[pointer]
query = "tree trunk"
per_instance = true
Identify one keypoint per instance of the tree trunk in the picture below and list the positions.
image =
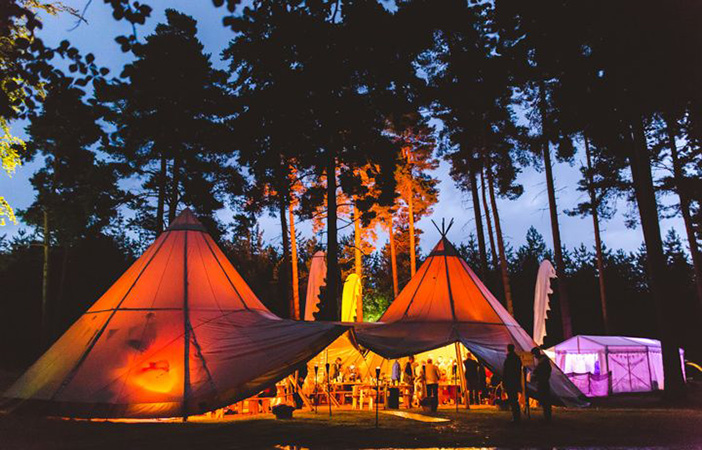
(667, 306)
(45, 323)
(410, 211)
(478, 223)
(161, 206)
(557, 246)
(555, 229)
(175, 182)
(358, 263)
(393, 257)
(488, 220)
(678, 177)
(332, 306)
(62, 288)
(250, 238)
(500, 245)
(598, 237)
(412, 245)
(293, 258)
(284, 274)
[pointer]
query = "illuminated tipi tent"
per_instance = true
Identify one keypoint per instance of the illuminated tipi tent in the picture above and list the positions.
(180, 333)
(445, 303)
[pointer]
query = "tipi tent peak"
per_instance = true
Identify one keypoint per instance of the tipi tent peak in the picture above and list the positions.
(179, 333)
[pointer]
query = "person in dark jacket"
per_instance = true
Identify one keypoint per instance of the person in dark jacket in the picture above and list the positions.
(408, 371)
(512, 381)
(408, 379)
(470, 368)
(337, 369)
(542, 376)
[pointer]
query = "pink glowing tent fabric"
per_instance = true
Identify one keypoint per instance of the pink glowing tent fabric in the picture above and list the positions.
(445, 302)
(180, 333)
(604, 365)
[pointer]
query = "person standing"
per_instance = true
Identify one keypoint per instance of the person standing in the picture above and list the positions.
(470, 367)
(512, 381)
(542, 376)
(395, 375)
(408, 379)
(433, 376)
(420, 382)
(336, 370)
(408, 371)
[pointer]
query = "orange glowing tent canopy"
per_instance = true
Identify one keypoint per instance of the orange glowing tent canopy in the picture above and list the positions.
(445, 303)
(180, 333)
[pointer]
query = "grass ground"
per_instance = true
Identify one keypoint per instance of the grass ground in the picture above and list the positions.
(620, 421)
(353, 429)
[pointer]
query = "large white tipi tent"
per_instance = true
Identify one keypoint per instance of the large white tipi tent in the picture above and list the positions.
(180, 333)
(445, 303)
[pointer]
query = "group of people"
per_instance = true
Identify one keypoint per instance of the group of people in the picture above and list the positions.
(426, 376)
(513, 377)
(421, 379)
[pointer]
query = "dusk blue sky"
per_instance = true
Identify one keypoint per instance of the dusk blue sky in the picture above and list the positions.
(531, 209)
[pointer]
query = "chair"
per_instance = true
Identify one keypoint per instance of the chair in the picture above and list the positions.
(406, 395)
(365, 393)
(237, 407)
(252, 406)
(356, 395)
(372, 395)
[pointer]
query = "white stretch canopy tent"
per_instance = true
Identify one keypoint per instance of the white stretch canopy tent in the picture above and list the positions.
(604, 365)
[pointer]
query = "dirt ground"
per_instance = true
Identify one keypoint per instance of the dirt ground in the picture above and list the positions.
(633, 421)
(593, 427)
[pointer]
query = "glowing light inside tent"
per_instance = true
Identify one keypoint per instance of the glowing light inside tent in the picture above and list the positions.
(156, 376)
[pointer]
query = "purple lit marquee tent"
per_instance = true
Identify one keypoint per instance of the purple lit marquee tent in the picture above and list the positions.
(605, 365)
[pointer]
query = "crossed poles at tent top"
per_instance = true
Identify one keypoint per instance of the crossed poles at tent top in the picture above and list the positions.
(444, 229)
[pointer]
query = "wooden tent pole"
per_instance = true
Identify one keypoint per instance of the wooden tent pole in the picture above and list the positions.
(461, 375)
(186, 331)
(295, 312)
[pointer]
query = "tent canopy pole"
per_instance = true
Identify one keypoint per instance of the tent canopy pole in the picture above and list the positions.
(461, 375)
